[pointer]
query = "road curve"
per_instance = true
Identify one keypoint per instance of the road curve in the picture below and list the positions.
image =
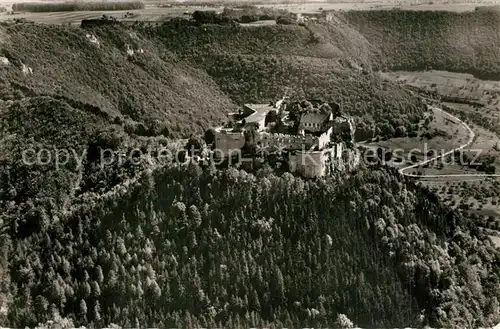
(469, 142)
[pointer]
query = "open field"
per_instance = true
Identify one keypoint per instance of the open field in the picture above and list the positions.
(484, 148)
(479, 197)
(475, 195)
(445, 136)
(485, 143)
(149, 13)
(475, 101)
(460, 85)
(155, 10)
(316, 7)
(480, 118)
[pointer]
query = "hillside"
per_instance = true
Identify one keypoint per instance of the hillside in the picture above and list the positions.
(120, 83)
(151, 86)
(185, 246)
(203, 248)
(176, 80)
(328, 61)
(57, 126)
(419, 40)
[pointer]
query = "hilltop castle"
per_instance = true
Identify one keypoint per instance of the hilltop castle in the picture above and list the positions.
(310, 135)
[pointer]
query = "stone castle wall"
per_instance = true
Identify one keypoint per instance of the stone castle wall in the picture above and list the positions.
(287, 141)
(324, 139)
(294, 142)
(316, 163)
(308, 164)
(227, 141)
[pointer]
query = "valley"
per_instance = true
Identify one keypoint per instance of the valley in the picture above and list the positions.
(139, 226)
(463, 182)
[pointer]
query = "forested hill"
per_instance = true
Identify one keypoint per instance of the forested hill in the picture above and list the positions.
(330, 61)
(187, 247)
(116, 73)
(119, 87)
(177, 80)
(418, 40)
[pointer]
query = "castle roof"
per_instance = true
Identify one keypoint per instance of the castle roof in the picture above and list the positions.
(260, 112)
(315, 121)
(315, 117)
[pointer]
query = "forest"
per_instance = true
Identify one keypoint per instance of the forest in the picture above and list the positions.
(187, 78)
(187, 246)
(191, 246)
(416, 40)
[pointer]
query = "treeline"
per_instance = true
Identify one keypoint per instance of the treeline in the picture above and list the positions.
(232, 16)
(249, 14)
(38, 7)
(488, 8)
(189, 247)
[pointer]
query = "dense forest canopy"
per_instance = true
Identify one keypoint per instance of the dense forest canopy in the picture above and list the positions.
(191, 246)
(440, 40)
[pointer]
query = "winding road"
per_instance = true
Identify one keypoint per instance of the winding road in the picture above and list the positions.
(468, 144)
